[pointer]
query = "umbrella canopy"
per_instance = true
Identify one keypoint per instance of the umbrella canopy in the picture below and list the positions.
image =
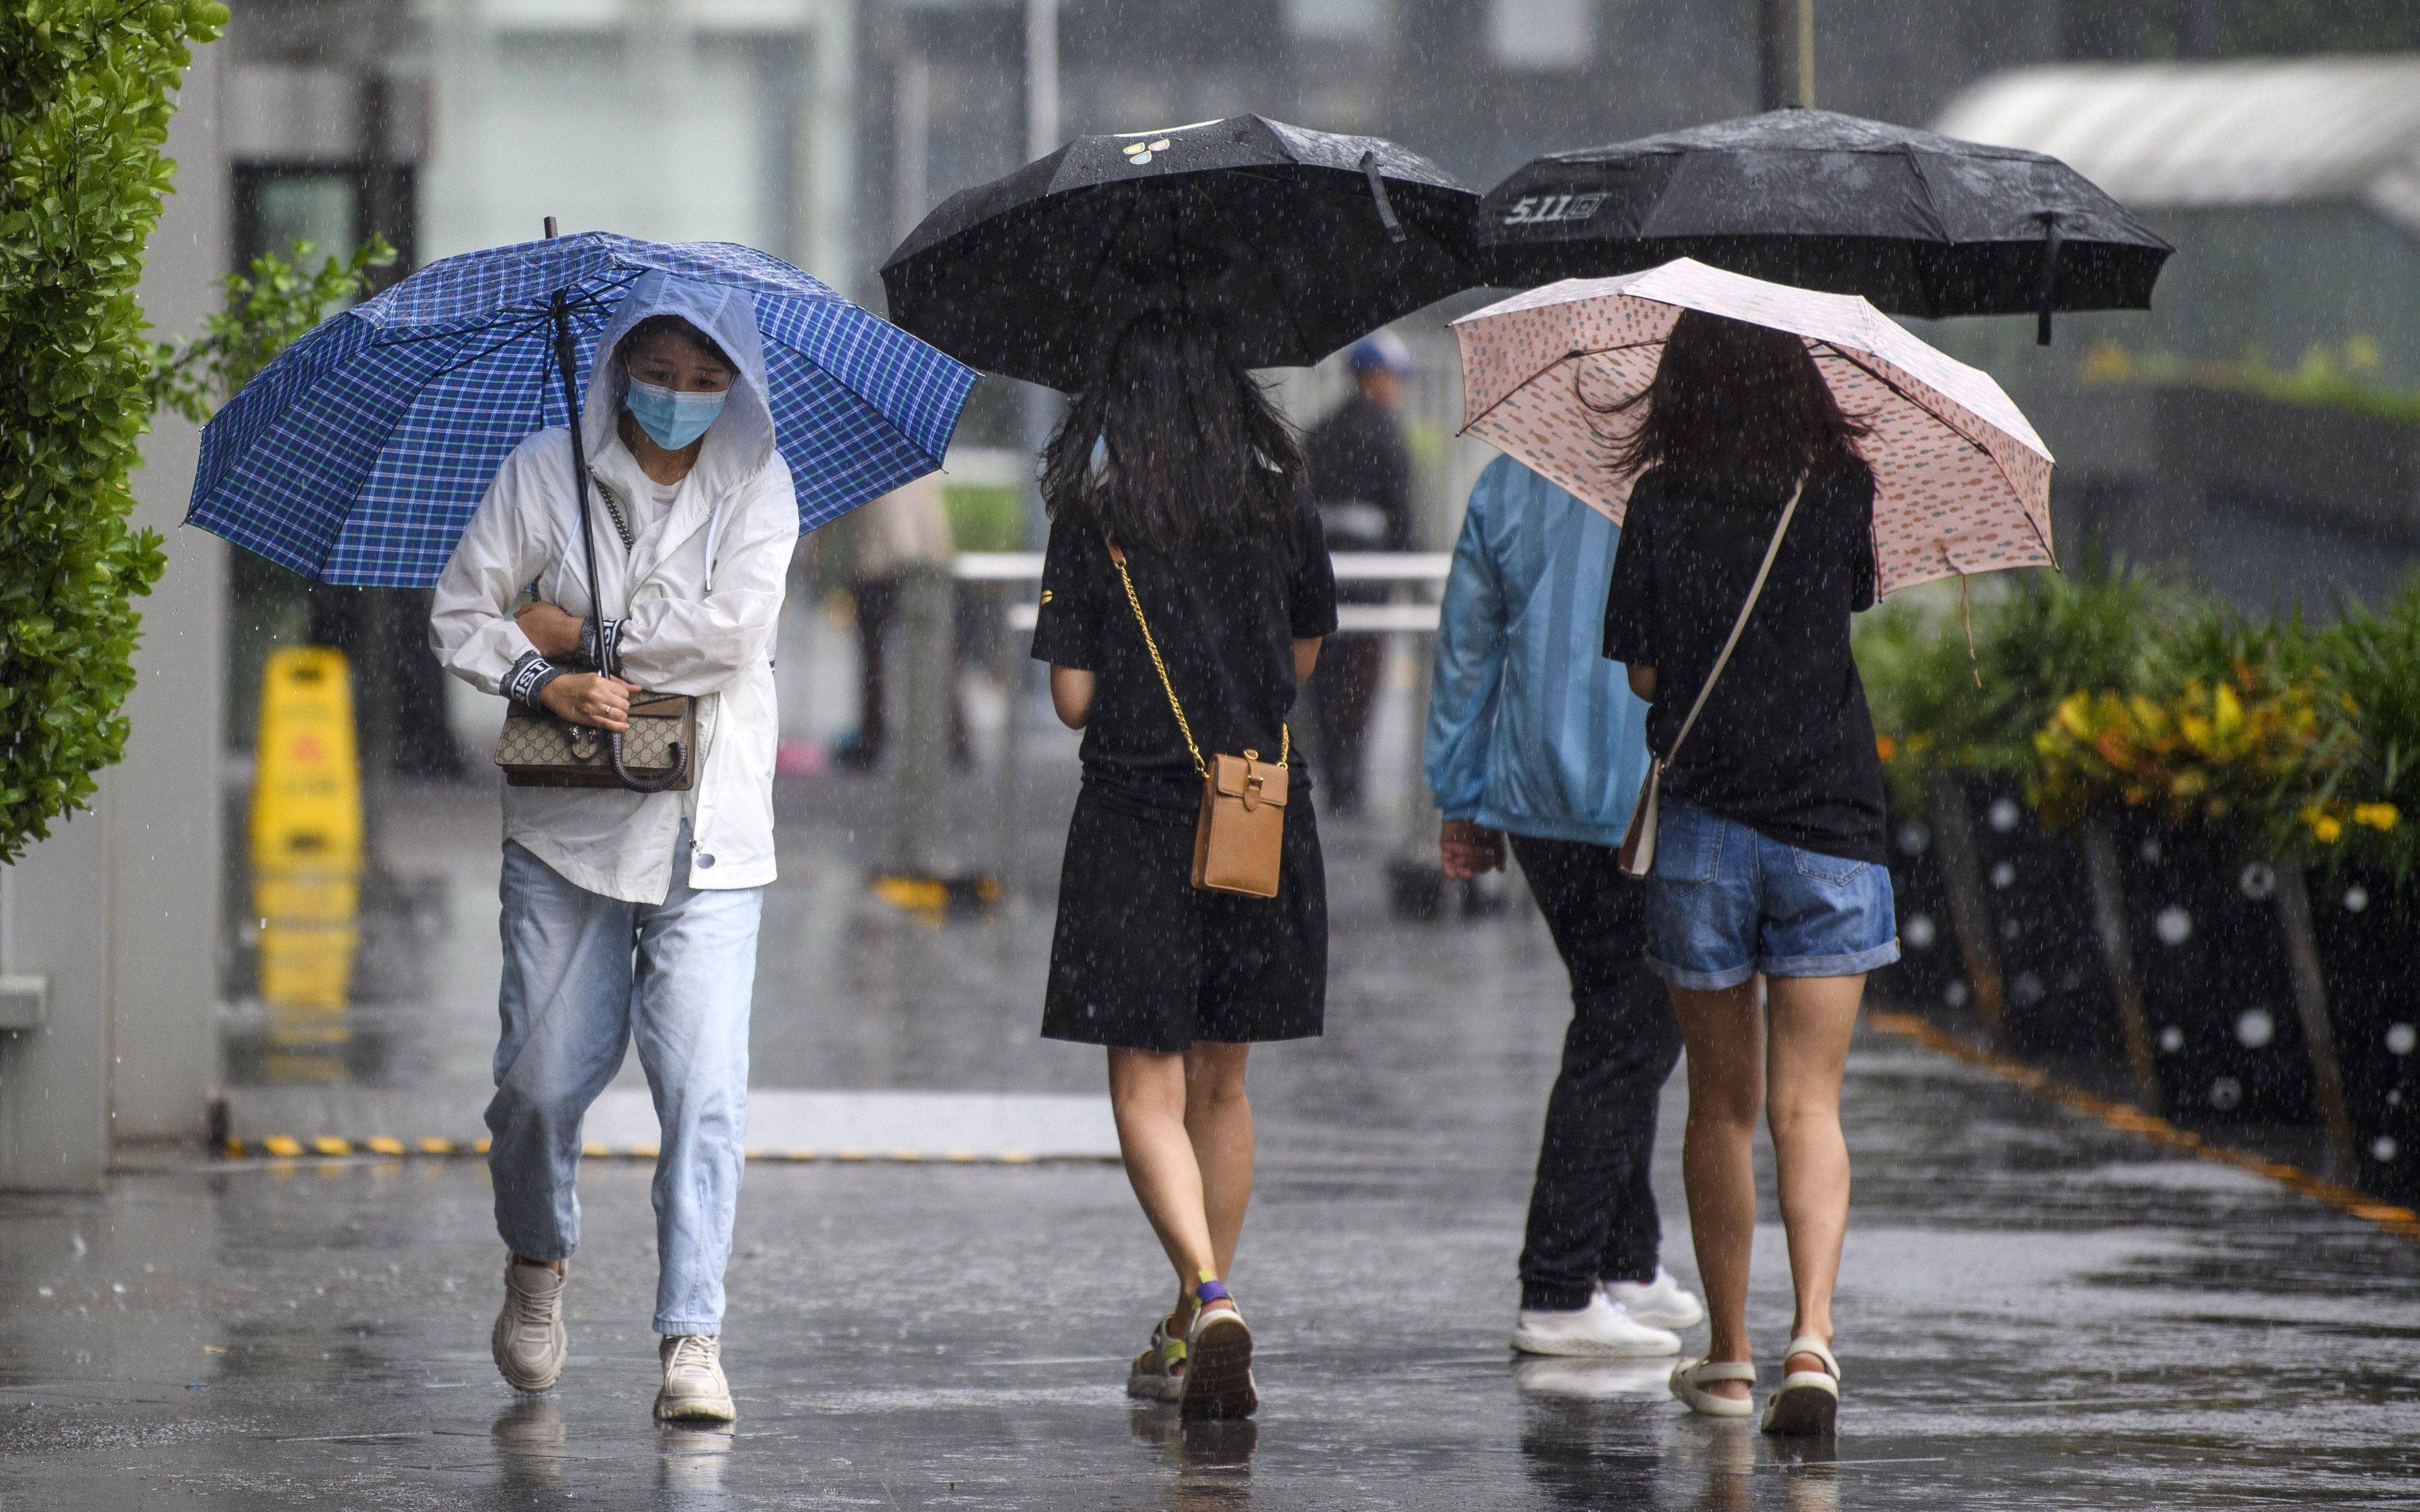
(1293, 242)
(1920, 225)
(359, 454)
(1962, 484)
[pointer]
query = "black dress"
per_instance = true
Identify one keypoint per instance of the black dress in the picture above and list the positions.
(1142, 958)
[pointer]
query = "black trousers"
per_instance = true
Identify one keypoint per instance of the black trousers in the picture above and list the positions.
(1593, 1211)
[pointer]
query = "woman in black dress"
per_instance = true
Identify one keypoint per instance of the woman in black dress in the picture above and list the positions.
(1174, 453)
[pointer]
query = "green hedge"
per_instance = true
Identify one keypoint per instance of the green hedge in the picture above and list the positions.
(84, 89)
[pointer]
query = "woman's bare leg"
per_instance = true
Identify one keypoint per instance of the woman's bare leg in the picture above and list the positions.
(1723, 1033)
(1148, 1098)
(1219, 1121)
(1808, 1044)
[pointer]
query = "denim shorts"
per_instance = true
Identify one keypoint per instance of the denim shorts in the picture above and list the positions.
(1727, 902)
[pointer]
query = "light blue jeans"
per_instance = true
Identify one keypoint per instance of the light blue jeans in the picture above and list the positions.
(583, 976)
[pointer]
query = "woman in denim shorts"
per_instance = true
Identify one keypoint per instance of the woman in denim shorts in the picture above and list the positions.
(1769, 864)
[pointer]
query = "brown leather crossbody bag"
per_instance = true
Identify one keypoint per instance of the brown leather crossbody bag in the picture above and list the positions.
(1239, 840)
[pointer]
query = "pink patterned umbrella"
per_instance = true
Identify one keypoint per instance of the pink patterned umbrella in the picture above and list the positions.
(1961, 482)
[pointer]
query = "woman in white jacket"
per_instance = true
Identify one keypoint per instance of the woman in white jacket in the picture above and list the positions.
(632, 914)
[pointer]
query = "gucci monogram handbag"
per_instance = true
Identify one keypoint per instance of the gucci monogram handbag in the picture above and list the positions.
(1239, 839)
(538, 749)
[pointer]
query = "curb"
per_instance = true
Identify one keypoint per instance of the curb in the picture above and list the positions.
(287, 1147)
(2128, 1120)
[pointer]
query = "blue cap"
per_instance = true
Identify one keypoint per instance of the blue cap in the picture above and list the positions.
(1380, 351)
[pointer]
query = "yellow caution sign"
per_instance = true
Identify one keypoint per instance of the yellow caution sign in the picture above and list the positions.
(306, 832)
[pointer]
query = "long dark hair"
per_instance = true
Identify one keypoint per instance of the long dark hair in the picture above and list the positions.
(1197, 458)
(1735, 410)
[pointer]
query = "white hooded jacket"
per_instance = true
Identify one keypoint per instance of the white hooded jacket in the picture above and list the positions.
(697, 598)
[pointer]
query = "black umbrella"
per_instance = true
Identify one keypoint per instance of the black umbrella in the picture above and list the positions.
(1919, 224)
(1293, 242)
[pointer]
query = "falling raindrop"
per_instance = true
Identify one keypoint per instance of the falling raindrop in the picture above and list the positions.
(2003, 873)
(2151, 851)
(2401, 1038)
(2356, 898)
(2258, 881)
(1914, 839)
(2383, 1148)
(2256, 1028)
(2026, 989)
(2010, 929)
(2005, 815)
(2175, 926)
(2172, 1039)
(2225, 1094)
(1954, 994)
(1918, 932)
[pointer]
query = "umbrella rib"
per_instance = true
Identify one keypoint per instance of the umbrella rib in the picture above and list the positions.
(1851, 358)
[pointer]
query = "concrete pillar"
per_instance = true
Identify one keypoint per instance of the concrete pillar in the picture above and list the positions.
(165, 844)
(827, 203)
(119, 909)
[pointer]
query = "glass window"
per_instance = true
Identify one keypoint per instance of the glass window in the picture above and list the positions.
(1558, 35)
(1351, 21)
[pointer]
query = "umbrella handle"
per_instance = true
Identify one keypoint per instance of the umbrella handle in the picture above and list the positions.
(1395, 232)
(2049, 277)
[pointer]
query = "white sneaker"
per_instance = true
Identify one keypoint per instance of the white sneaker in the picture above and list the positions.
(694, 1387)
(1662, 1302)
(1601, 1329)
(530, 1342)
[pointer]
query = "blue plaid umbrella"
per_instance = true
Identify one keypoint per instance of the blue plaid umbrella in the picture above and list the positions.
(359, 454)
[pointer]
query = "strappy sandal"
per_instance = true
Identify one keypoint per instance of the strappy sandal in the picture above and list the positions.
(1218, 1359)
(1690, 1377)
(1159, 1373)
(1810, 1401)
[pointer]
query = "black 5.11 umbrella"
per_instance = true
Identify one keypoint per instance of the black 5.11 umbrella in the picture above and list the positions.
(1292, 242)
(1917, 224)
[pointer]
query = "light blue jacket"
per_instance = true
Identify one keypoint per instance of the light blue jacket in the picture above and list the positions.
(1532, 730)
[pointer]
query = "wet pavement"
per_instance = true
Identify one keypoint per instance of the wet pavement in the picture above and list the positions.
(2035, 1310)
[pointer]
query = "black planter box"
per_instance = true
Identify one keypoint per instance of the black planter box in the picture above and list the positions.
(2055, 982)
(2368, 930)
(2217, 991)
(1929, 973)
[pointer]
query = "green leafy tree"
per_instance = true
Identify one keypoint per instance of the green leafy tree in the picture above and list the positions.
(85, 88)
(267, 307)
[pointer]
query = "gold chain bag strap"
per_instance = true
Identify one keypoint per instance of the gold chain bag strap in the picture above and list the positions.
(1637, 855)
(1239, 839)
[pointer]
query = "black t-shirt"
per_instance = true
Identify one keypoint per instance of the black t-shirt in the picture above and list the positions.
(1785, 744)
(1226, 623)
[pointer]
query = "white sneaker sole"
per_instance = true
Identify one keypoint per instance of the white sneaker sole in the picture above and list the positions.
(1568, 1348)
(670, 1408)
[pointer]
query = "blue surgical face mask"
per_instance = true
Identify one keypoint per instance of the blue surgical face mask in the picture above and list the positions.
(672, 420)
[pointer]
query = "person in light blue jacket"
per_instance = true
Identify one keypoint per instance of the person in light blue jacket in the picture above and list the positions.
(1533, 735)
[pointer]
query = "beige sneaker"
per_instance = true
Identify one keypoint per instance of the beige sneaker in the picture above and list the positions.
(694, 1388)
(530, 1342)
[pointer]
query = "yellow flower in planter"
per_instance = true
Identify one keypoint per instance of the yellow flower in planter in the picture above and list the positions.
(2380, 816)
(2327, 831)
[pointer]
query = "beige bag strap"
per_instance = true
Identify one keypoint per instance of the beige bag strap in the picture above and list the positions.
(1756, 590)
(1184, 728)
